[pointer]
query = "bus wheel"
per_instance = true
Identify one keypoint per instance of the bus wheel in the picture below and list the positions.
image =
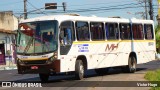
(44, 77)
(101, 71)
(79, 70)
(132, 63)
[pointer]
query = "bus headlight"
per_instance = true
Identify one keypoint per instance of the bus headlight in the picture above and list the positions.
(55, 55)
(20, 61)
(50, 60)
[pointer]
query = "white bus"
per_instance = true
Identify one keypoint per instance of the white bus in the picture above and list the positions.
(73, 43)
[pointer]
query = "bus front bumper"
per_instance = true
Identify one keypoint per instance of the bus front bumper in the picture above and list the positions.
(38, 68)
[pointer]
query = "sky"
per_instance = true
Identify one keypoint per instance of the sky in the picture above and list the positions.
(100, 8)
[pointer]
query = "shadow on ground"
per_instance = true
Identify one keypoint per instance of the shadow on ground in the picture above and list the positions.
(88, 74)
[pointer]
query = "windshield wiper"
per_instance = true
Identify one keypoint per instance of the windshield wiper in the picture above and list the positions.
(28, 45)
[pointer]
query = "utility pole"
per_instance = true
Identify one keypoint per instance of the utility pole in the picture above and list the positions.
(146, 11)
(151, 9)
(144, 3)
(25, 9)
(64, 6)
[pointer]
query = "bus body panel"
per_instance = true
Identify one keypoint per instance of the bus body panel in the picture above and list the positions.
(101, 56)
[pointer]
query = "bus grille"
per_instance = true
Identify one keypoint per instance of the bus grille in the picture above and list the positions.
(35, 62)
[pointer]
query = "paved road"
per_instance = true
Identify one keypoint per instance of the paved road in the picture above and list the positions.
(67, 82)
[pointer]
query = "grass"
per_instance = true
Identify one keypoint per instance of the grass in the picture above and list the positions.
(153, 76)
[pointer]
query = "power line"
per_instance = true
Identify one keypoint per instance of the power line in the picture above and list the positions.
(100, 8)
(36, 8)
(88, 10)
(107, 8)
(104, 9)
(117, 7)
(33, 10)
(78, 5)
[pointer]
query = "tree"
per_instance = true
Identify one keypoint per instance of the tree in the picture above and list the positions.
(157, 32)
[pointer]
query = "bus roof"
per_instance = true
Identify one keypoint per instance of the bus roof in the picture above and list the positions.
(73, 17)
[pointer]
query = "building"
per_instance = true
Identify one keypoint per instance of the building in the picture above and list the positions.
(8, 25)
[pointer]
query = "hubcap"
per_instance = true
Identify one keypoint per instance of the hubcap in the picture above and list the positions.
(81, 69)
(133, 65)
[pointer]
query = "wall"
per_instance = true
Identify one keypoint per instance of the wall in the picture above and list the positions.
(8, 23)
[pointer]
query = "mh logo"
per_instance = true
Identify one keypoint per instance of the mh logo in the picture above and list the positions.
(111, 47)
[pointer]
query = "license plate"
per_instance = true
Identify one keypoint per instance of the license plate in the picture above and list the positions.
(34, 67)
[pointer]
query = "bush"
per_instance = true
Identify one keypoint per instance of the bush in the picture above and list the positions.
(153, 76)
(157, 32)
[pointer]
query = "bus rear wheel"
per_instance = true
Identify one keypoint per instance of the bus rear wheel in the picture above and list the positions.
(44, 77)
(131, 67)
(79, 70)
(132, 63)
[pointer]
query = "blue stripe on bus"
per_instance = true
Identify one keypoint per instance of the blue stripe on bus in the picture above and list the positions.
(85, 45)
(83, 50)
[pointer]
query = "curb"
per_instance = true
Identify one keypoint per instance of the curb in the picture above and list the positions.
(8, 68)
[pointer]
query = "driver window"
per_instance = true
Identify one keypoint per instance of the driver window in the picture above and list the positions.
(66, 36)
(66, 33)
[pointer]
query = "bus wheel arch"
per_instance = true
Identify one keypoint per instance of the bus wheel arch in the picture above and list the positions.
(84, 60)
(80, 67)
(134, 55)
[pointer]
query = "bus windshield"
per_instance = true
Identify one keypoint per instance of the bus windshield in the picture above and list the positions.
(37, 37)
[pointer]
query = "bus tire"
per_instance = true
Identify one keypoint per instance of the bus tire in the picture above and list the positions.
(44, 77)
(132, 63)
(101, 71)
(79, 70)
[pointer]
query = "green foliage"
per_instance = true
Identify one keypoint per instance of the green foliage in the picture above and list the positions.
(153, 76)
(157, 32)
(157, 28)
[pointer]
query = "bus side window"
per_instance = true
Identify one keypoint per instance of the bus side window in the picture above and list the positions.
(66, 33)
(97, 31)
(82, 31)
(148, 31)
(137, 30)
(112, 32)
(125, 31)
(66, 36)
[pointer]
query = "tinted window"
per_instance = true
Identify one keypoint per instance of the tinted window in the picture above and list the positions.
(82, 31)
(97, 31)
(125, 32)
(37, 37)
(67, 33)
(137, 30)
(148, 30)
(112, 32)
(66, 36)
